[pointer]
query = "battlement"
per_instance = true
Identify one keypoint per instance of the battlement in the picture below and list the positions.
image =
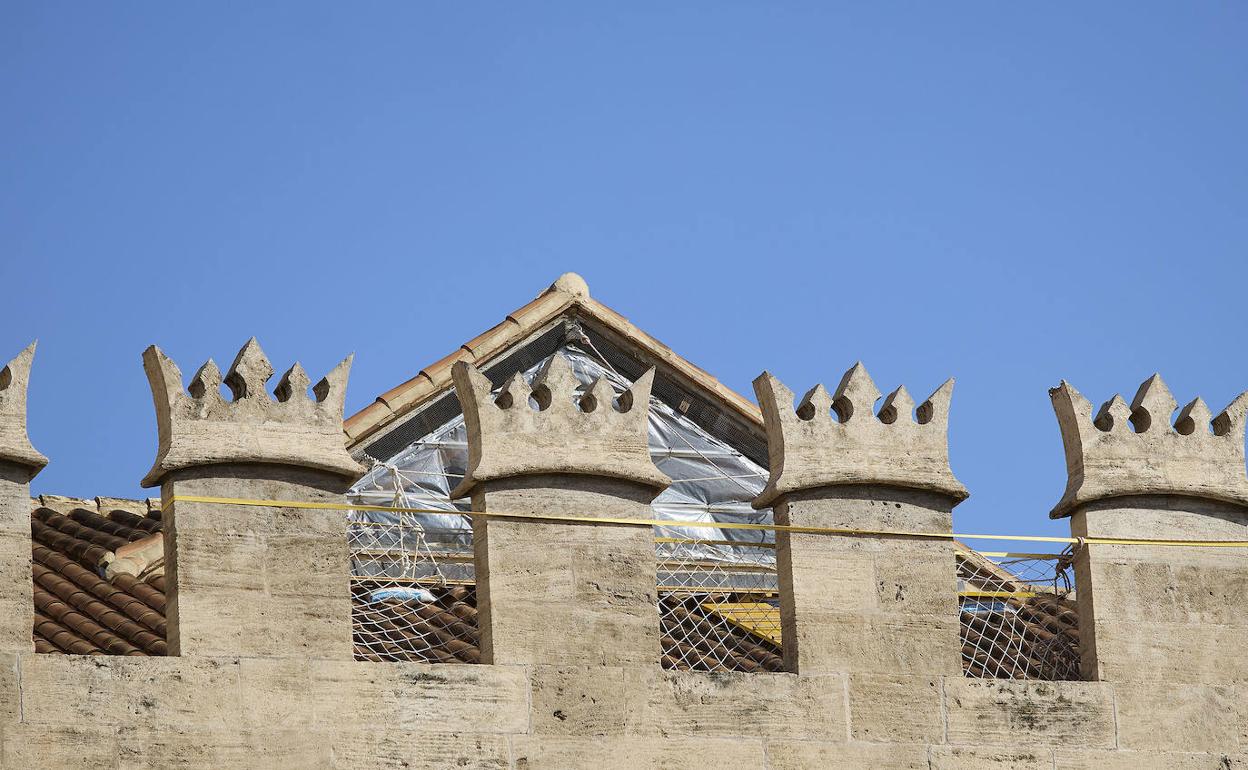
(197, 426)
(899, 446)
(573, 429)
(15, 444)
(1136, 450)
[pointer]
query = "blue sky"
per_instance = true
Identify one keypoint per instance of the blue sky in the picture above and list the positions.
(1005, 193)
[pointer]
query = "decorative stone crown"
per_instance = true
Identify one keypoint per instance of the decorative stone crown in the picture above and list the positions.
(199, 427)
(14, 442)
(1134, 450)
(574, 430)
(807, 448)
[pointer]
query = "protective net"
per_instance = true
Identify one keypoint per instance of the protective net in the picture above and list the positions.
(412, 588)
(1018, 617)
(719, 604)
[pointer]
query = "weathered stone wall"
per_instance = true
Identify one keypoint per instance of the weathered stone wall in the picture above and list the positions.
(262, 679)
(69, 711)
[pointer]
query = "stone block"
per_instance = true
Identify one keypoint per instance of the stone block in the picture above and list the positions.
(635, 753)
(983, 712)
(976, 758)
(895, 708)
(803, 755)
(162, 693)
(1161, 716)
(368, 747)
(10, 688)
(735, 704)
(80, 747)
(589, 700)
(1169, 652)
(202, 746)
(1076, 759)
(883, 643)
(411, 697)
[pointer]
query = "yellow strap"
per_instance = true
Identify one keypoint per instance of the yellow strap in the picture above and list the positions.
(710, 524)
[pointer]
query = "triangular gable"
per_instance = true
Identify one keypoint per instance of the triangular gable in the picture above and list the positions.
(562, 312)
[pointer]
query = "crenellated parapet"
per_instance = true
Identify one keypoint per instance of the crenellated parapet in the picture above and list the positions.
(899, 446)
(574, 429)
(15, 444)
(198, 426)
(1134, 449)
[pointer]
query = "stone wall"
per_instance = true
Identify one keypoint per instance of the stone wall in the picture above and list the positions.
(1169, 691)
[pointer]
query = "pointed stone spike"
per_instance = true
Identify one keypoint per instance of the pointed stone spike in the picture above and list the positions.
(935, 408)
(856, 395)
(164, 376)
(1114, 416)
(600, 395)
(18, 370)
(1194, 419)
(556, 380)
(294, 383)
(638, 393)
(515, 391)
(206, 382)
(775, 400)
(898, 406)
(249, 372)
(473, 386)
(1230, 421)
(332, 389)
(817, 402)
(1153, 406)
(14, 442)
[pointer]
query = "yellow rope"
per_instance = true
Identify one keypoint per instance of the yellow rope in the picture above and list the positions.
(344, 506)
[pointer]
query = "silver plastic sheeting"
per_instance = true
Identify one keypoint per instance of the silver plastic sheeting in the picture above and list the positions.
(711, 482)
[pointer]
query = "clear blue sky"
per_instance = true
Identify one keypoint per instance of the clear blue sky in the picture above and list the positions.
(1007, 193)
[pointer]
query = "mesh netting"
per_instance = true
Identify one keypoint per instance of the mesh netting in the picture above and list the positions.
(1018, 616)
(414, 599)
(718, 604)
(412, 589)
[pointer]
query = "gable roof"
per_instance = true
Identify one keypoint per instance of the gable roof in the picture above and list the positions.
(680, 383)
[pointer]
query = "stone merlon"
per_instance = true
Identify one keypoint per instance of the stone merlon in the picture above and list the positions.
(1135, 450)
(898, 447)
(15, 444)
(197, 426)
(575, 429)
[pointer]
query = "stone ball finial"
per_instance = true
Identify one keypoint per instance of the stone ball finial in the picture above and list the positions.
(571, 283)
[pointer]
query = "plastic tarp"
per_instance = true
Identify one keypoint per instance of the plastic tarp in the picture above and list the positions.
(711, 482)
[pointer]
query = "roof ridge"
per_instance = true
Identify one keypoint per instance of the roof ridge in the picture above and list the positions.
(568, 291)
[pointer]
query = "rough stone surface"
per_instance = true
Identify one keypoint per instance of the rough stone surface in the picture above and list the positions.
(15, 445)
(1165, 613)
(535, 577)
(16, 592)
(574, 430)
(867, 604)
(1134, 450)
(990, 712)
(197, 426)
(808, 448)
(894, 708)
(257, 580)
(803, 755)
(972, 758)
(1164, 716)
